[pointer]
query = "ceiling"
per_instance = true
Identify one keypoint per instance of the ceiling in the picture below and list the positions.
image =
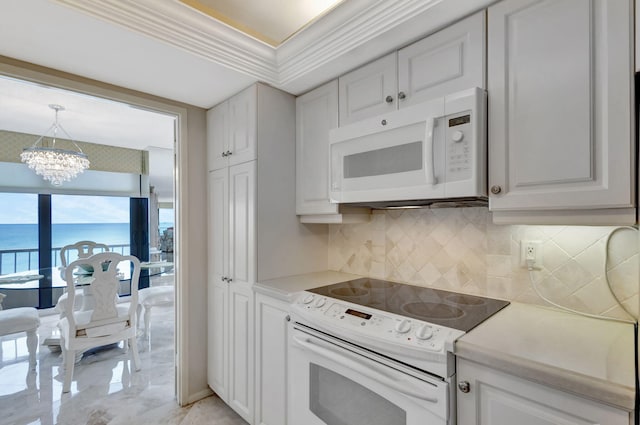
(272, 21)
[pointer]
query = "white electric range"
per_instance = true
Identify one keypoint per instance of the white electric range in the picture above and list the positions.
(369, 351)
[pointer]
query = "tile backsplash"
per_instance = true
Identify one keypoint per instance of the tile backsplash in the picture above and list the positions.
(461, 249)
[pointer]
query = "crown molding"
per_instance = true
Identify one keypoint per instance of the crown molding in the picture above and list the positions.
(354, 31)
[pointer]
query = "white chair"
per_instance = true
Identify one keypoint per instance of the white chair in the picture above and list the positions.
(22, 319)
(108, 322)
(153, 296)
(81, 249)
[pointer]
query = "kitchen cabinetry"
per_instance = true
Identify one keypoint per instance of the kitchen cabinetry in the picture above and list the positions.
(272, 317)
(316, 115)
(490, 397)
(560, 111)
(232, 136)
(442, 63)
(237, 258)
(232, 273)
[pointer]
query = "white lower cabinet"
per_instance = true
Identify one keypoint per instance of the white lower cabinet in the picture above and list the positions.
(241, 350)
(490, 397)
(272, 316)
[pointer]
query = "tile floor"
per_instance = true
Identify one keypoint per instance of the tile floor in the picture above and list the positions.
(105, 390)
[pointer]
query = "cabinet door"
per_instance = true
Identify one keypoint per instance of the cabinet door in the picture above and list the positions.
(368, 91)
(496, 398)
(242, 223)
(271, 360)
(217, 302)
(446, 62)
(316, 114)
(218, 339)
(241, 355)
(217, 123)
(242, 126)
(560, 101)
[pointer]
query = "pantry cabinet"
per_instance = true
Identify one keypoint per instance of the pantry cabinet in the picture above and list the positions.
(560, 111)
(232, 273)
(247, 199)
(442, 63)
(232, 136)
(272, 318)
(490, 397)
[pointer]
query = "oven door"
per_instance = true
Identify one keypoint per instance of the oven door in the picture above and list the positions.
(332, 382)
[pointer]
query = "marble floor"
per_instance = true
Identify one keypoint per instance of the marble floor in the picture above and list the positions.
(105, 389)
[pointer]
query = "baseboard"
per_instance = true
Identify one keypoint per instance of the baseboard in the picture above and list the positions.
(199, 395)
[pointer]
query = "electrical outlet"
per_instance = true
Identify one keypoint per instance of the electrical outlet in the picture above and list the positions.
(531, 253)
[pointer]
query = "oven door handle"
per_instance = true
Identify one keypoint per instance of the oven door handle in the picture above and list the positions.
(371, 370)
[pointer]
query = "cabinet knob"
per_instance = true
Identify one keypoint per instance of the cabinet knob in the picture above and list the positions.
(383, 122)
(464, 386)
(287, 318)
(496, 189)
(224, 154)
(401, 95)
(388, 99)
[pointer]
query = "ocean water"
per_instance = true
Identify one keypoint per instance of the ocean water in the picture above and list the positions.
(25, 236)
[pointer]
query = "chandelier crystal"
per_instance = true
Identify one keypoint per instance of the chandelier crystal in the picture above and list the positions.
(55, 165)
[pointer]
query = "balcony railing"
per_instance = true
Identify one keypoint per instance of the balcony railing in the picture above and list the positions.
(19, 260)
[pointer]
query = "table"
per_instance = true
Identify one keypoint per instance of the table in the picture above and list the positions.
(48, 279)
(32, 280)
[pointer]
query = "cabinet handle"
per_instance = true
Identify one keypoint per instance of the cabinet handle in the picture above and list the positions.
(224, 279)
(224, 154)
(496, 189)
(229, 153)
(229, 280)
(401, 95)
(464, 386)
(388, 99)
(287, 318)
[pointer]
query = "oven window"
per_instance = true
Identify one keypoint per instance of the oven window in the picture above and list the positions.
(337, 400)
(380, 162)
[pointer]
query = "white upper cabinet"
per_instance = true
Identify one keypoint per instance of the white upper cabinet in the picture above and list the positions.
(232, 131)
(560, 83)
(370, 90)
(446, 62)
(442, 63)
(316, 114)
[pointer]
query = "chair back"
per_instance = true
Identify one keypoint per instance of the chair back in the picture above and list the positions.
(100, 272)
(84, 249)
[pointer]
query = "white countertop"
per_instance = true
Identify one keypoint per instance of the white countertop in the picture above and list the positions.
(283, 287)
(588, 357)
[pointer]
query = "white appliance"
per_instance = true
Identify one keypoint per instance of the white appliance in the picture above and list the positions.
(425, 153)
(362, 353)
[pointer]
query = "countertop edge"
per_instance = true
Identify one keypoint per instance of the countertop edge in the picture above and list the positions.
(602, 391)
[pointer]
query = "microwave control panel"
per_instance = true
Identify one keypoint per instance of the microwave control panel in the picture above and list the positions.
(459, 137)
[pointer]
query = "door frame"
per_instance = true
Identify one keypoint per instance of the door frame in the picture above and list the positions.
(49, 77)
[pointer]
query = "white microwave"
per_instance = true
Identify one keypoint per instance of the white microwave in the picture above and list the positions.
(434, 151)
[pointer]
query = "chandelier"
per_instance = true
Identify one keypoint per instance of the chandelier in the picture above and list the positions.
(55, 165)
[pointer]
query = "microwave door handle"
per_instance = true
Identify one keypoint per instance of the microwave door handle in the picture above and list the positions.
(380, 376)
(431, 130)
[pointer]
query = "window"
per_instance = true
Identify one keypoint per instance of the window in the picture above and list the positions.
(18, 232)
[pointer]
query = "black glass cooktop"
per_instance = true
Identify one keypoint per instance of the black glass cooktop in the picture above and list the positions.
(458, 311)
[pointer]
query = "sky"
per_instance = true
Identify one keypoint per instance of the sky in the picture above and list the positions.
(22, 208)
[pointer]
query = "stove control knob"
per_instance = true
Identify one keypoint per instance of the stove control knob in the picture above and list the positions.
(307, 299)
(403, 326)
(424, 332)
(319, 302)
